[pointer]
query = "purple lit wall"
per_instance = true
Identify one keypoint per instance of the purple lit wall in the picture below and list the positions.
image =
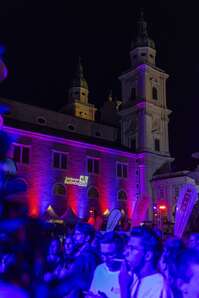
(41, 176)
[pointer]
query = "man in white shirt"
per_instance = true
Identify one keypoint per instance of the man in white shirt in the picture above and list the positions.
(138, 276)
(105, 281)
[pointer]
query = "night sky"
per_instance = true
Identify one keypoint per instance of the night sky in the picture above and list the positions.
(43, 40)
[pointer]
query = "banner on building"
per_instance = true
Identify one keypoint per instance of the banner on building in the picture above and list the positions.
(185, 203)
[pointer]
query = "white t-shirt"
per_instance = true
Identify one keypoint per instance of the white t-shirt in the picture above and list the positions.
(105, 281)
(151, 286)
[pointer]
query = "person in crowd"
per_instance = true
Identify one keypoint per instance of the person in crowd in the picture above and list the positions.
(172, 247)
(193, 241)
(53, 259)
(187, 273)
(69, 247)
(105, 280)
(68, 257)
(78, 277)
(138, 275)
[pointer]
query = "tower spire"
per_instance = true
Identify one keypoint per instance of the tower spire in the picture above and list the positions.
(79, 70)
(142, 26)
(78, 104)
(142, 38)
(79, 80)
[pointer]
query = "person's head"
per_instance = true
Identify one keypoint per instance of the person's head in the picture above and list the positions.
(193, 241)
(111, 248)
(54, 247)
(187, 273)
(84, 233)
(172, 247)
(143, 248)
(68, 245)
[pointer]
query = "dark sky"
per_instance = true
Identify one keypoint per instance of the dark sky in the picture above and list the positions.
(43, 40)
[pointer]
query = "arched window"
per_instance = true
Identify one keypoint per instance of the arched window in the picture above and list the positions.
(59, 189)
(93, 200)
(93, 193)
(122, 196)
(154, 93)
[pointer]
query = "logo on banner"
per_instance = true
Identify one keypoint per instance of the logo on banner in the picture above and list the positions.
(81, 181)
(185, 203)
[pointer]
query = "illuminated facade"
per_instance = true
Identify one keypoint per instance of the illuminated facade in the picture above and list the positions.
(119, 154)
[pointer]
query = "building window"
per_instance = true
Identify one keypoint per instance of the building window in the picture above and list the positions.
(122, 170)
(98, 134)
(21, 153)
(157, 145)
(93, 193)
(133, 93)
(93, 201)
(93, 165)
(41, 120)
(133, 144)
(143, 54)
(59, 160)
(71, 127)
(59, 189)
(122, 196)
(154, 93)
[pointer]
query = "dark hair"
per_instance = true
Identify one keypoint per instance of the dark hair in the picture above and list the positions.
(185, 259)
(113, 237)
(173, 246)
(86, 229)
(150, 241)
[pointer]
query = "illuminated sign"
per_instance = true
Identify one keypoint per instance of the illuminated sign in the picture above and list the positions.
(82, 181)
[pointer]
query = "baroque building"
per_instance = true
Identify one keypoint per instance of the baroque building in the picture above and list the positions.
(70, 160)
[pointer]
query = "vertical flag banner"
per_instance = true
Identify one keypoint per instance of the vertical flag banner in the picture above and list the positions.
(185, 203)
(113, 219)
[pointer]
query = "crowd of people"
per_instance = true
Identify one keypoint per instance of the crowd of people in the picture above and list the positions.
(36, 262)
(86, 263)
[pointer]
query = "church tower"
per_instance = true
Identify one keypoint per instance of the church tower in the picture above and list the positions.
(144, 113)
(78, 104)
(144, 116)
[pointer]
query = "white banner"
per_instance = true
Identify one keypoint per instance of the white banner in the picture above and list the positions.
(113, 219)
(185, 203)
